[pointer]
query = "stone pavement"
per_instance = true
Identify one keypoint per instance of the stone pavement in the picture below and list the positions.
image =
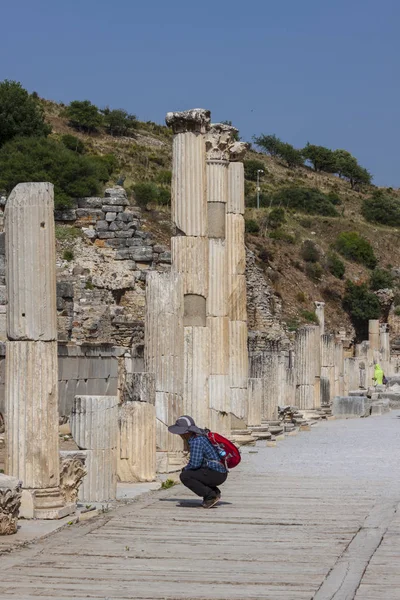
(314, 517)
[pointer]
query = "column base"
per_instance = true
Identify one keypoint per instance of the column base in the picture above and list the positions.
(44, 503)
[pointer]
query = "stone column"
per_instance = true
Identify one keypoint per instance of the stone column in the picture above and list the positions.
(320, 314)
(218, 141)
(384, 338)
(339, 365)
(327, 368)
(373, 334)
(94, 427)
(136, 456)
(163, 354)
(190, 254)
(266, 366)
(308, 366)
(31, 387)
(237, 299)
(351, 375)
(255, 392)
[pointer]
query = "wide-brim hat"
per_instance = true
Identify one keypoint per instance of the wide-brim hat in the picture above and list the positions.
(184, 425)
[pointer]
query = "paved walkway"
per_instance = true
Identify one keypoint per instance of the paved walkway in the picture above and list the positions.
(314, 517)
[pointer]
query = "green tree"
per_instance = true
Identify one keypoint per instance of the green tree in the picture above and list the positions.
(356, 174)
(118, 121)
(321, 158)
(251, 167)
(83, 115)
(380, 279)
(361, 306)
(276, 218)
(42, 159)
(354, 247)
(73, 143)
(20, 113)
(310, 252)
(270, 144)
(335, 266)
(293, 157)
(381, 208)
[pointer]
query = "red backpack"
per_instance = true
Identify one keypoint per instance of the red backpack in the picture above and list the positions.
(230, 455)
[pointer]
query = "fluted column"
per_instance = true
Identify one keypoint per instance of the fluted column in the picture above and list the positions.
(308, 367)
(327, 368)
(164, 356)
(237, 297)
(384, 338)
(94, 427)
(31, 386)
(339, 366)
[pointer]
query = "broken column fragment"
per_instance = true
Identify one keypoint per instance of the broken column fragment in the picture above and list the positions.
(94, 427)
(10, 502)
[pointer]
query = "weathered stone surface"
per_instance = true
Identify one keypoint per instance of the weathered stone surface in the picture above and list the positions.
(196, 373)
(308, 365)
(238, 354)
(237, 152)
(196, 120)
(235, 202)
(111, 216)
(189, 201)
(194, 311)
(72, 472)
(255, 392)
(127, 217)
(136, 442)
(102, 225)
(141, 253)
(217, 299)
(164, 331)
(31, 260)
(235, 245)
(94, 427)
(94, 214)
(168, 408)
(219, 139)
(373, 334)
(116, 195)
(112, 208)
(237, 298)
(139, 387)
(190, 260)
(320, 314)
(219, 346)
(219, 393)
(239, 402)
(124, 234)
(216, 220)
(105, 235)
(351, 406)
(10, 502)
(90, 202)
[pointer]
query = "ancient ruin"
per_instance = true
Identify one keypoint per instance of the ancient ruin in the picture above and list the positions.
(182, 343)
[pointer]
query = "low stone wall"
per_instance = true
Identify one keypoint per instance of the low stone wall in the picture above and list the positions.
(82, 370)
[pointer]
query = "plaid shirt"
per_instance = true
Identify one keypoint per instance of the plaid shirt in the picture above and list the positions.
(203, 454)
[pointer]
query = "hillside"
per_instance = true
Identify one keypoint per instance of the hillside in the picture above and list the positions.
(145, 156)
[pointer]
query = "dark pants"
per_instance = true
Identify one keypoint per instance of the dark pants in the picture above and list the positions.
(203, 482)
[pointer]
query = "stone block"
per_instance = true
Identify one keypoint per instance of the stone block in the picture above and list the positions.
(351, 406)
(111, 216)
(94, 214)
(124, 234)
(116, 197)
(113, 209)
(120, 245)
(118, 226)
(136, 442)
(141, 254)
(380, 407)
(127, 217)
(65, 289)
(139, 387)
(102, 225)
(165, 257)
(90, 202)
(190, 259)
(106, 235)
(216, 220)
(65, 215)
(194, 314)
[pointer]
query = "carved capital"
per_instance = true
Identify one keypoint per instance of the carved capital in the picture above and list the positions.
(238, 150)
(72, 472)
(10, 502)
(196, 120)
(218, 141)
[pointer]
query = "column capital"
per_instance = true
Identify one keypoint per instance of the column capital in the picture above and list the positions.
(238, 150)
(219, 139)
(196, 120)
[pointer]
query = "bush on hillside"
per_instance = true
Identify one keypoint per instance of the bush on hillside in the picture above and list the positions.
(164, 176)
(251, 167)
(310, 252)
(20, 113)
(252, 226)
(118, 121)
(148, 192)
(282, 236)
(354, 247)
(42, 159)
(335, 266)
(276, 218)
(306, 200)
(380, 279)
(309, 316)
(83, 115)
(361, 306)
(73, 143)
(381, 208)
(314, 271)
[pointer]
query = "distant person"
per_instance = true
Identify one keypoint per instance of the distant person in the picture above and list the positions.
(205, 471)
(378, 375)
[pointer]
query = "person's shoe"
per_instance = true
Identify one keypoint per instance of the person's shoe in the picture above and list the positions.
(211, 502)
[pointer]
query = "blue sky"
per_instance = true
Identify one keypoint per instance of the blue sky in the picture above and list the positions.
(324, 72)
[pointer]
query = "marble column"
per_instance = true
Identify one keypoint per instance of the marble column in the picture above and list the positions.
(31, 382)
(327, 368)
(236, 285)
(308, 367)
(190, 254)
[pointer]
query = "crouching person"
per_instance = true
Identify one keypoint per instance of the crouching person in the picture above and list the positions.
(205, 470)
